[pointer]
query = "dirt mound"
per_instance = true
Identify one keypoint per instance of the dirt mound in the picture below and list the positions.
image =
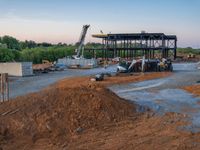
(61, 111)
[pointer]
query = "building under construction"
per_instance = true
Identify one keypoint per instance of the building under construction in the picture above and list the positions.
(150, 45)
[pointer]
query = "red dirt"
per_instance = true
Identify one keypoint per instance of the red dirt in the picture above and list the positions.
(79, 114)
(194, 89)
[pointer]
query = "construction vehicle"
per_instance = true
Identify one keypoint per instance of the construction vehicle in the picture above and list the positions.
(126, 66)
(165, 65)
(80, 50)
(116, 60)
(78, 61)
(190, 56)
(100, 77)
(145, 65)
(45, 67)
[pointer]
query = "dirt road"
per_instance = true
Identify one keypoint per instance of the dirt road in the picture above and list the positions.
(24, 85)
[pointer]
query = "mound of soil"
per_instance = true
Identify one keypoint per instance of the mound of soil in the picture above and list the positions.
(62, 111)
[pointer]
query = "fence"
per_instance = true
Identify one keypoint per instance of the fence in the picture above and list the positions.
(4, 87)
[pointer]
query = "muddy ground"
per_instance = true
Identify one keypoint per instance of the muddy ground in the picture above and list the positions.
(80, 114)
(166, 94)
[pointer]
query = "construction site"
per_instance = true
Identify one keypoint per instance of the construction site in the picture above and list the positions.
(136, 96)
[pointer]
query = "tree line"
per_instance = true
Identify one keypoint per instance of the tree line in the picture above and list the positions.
(12, 50)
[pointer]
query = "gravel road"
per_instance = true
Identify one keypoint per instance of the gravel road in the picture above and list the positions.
(24, 85)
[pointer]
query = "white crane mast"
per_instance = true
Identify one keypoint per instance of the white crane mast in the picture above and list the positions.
(81, 42)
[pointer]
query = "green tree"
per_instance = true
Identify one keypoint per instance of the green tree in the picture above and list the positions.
(6, 55)
(30, 44)
(12, 43)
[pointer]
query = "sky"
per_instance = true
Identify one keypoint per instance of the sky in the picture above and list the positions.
(62, 20)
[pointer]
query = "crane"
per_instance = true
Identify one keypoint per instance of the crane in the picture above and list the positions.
(80, 49)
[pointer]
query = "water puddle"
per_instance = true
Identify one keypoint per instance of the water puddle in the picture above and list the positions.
(148, 95)
(139, 86)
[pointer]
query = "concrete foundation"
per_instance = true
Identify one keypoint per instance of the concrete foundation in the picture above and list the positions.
(83, 63)
(17, 69)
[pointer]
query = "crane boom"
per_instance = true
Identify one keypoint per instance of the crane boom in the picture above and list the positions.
(80, 49)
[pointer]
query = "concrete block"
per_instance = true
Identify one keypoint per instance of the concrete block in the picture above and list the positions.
(17, 68)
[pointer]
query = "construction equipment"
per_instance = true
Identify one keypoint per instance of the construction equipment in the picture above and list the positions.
(190, 56)
(45, 67)
(165, 65)
(59, 67)
(99, 77)
(145, 65)
(116, 60)
(80, 50)
(126, 67)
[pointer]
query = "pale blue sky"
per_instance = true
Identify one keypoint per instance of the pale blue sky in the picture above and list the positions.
(62, 20)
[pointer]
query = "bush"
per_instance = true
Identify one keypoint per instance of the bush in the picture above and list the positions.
(188, 50)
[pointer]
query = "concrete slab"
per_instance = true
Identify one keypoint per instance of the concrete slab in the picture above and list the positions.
(17, 68)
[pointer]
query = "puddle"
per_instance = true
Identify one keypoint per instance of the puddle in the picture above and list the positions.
(148, 95)
(139, 86)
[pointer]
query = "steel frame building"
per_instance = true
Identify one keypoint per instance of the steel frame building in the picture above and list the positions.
(137, 44)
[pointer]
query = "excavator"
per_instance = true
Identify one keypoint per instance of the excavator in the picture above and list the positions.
(145, 65)
(80, 50)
